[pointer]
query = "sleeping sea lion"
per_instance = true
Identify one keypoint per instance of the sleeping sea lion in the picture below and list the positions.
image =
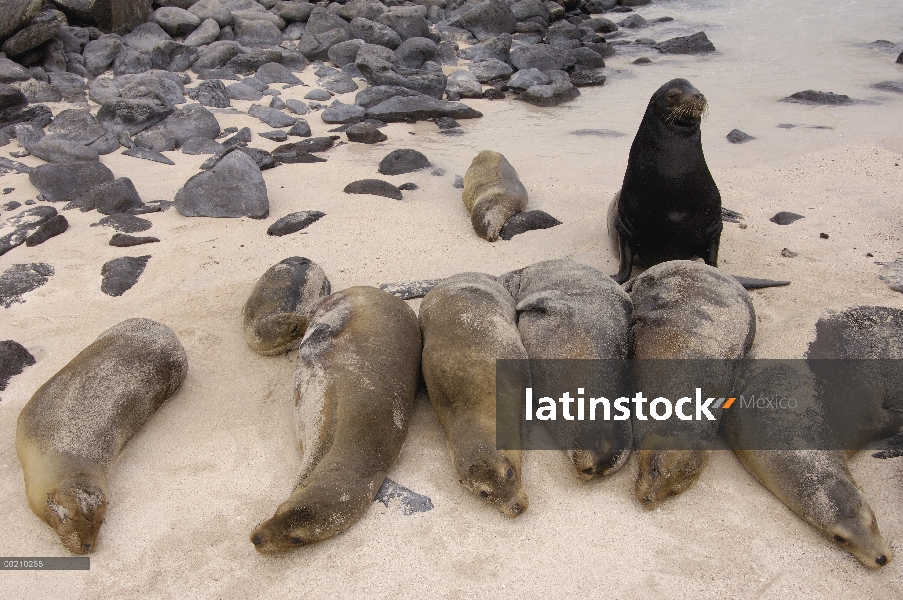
(276, 313)
(354, 389)
(73, 428)
(567, 310)
(492, 193)
(691, 311)
(468, 322)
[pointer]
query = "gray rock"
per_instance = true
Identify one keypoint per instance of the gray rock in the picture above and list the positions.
(207, 32)
(99, 53)
(20, 279)
(345, 53)
(391, 493)
(527, 78)
(318, 95)
(14, 357)
(527, 221)
(403, 161)
(157, 140)
(145, 36)
(339, 113)
(374, 95)
(525, 9)
(124, 240)
(275, 73)
(251, 61)
(697, 43)
(58, 149)
(262, 158)
(595, 7)
(67, 181)
(39, 115)
(814, 97)
(586, 77)
(738, 137)
(297, 107)
(316, 46)
(172, 56)
(560, 90)
(242, 91)
(50, 228)
(542, 57)
(322, 20)
(131, 60)
(271, 117)
(293, 11)
(256, 33)
(233, 188)
(175, 21)
(293, 32)
(34, 90)
(300, 129)
(27, 135)
(588, 58)
(373, 32)
(116, 196)
(17, 14)
(124, 222)
(196, 146)
(490, 70)
(785, 218)
(153, 85)
(294, 222)
(407, 21)
(73, 87)
(365, 133)
(133, 115)
(216, 55)
(212, 93)
(367, 9)
(496, 48)
(295, 151)
(11, 71)
(487, 19)
(417, 50)
(102, 91)
(30, 37)
(147, 154)
(255, 83)
(190, 122)
(16, 229)
(211, 9)
(375, 187)
(121, 274)
(464, 84)
(419, 108)
(276, 136)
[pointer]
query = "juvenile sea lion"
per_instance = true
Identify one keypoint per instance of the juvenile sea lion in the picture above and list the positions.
(668, 207)
(567, 310)
(492, 193)
(468, 322)
(683, 310)
(73, 428)
(792, 453)
(276, 313)
(354, 390)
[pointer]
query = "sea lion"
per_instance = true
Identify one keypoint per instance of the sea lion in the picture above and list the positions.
(468, 322)
(668, 207)
(492, 193)
(793, 453)
(691, 311)
(567, 310)
(276, 313)
(73, 428)
(354, 390)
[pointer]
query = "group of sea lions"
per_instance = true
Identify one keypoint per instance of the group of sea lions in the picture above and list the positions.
(361, 352)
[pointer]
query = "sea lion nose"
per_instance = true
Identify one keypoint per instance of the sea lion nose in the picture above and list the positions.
(86, 547)
(256, 540)
(881, 560)
(589, 471)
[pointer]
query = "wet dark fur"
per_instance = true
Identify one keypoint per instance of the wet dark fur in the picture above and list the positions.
(669, 206)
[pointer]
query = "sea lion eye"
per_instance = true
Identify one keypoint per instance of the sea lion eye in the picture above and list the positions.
(296, 541)
(840, 539)
(484, 494)
(509, 473)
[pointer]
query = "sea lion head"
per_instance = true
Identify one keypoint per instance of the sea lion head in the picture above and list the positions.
(598, 463)
(493, 475)
(76, 511)
(295, 524)
(275, 334)
(666, 472)
(853, 525)
(679, 106)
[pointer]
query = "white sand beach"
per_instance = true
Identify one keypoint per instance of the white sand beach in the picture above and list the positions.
(221, 455)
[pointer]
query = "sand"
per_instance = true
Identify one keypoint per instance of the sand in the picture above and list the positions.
(222, 454)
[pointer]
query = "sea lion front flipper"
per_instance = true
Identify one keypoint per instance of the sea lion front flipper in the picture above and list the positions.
(626, 265)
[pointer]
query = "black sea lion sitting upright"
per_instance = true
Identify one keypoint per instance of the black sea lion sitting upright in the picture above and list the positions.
(669, 207)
